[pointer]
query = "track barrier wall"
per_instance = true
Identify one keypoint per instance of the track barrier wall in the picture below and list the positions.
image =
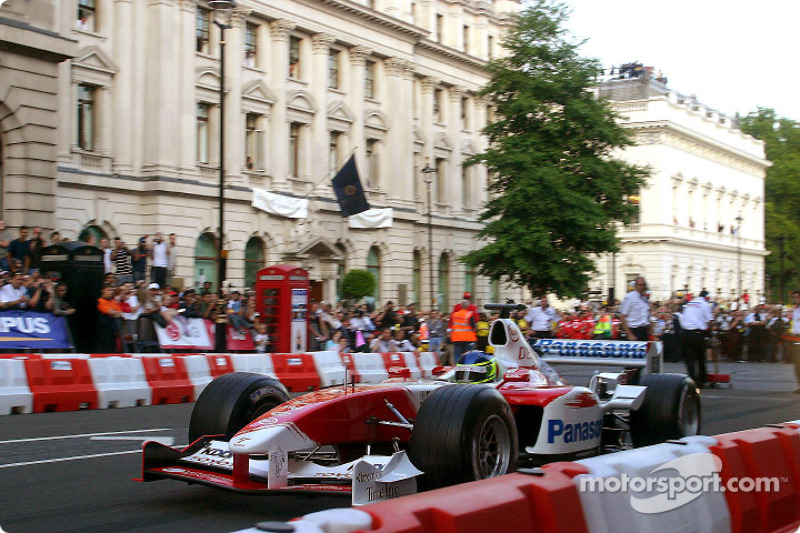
(31, 382)
(558, 497)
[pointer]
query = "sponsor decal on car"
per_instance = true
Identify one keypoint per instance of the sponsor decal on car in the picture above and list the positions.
(588, 349)
(559, 430)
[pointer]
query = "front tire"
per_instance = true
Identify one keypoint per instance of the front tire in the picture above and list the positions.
(671, 410)
(232, 401)
(463, 433)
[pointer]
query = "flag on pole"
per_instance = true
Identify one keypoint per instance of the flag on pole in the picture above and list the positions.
(349, 193)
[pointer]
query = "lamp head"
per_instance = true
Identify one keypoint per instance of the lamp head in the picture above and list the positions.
(223, 11)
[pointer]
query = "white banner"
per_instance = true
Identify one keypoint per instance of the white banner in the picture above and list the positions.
(372, 218)
(186, 334)
(278, 204)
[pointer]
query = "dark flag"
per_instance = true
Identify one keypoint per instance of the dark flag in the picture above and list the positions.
(349, 193)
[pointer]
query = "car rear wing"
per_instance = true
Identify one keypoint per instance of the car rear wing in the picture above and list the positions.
(648, 356)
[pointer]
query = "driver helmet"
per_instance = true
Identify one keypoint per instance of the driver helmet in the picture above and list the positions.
(476, 367)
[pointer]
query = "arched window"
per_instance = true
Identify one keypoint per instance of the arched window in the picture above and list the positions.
(205, 261)
(416, 281)
(469, 282)
(374, 266)
(92, 235)
(253, 260)
(444, 283)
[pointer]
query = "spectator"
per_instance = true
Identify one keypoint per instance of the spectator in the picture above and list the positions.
(18, 253)
(541, 319)
(383, 344)
(55, 238)
(35, 246)
(5, 241)
(108, 321)
(387, 318)
(190, 305)
(40, 293)
(106, 255)
(436, 333)
(482, 330)
(173, 256)
(410, 322)
(635, 312)
(208, 306)
(14, 295)
(467, 297)
(261, 339)
(317, 328)
(402, 344)
(160, 251)
(121, 256)
(139, 261)
(236, 313)
(61, 307)
(776, 327)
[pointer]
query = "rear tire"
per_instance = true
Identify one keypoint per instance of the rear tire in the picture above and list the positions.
(463, 433)
(671, 410)
(232, 401)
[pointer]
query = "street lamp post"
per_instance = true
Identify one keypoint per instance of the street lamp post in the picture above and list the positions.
(429, 171)
(739, 260)
(223, 11)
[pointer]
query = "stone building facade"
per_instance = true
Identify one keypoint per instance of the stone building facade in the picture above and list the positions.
(306, 84)
(706, 174)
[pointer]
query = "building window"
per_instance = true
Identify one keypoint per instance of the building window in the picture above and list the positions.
(466, 37)
(465, 113)
(294, 57)
(441, 178)
(250, 45)
(369, 80)
(466, 196)
(202, 31)
(87, 15)
(202, 133)
(294, 149)
(373, 164)
(333, 152)
(253, 260)
(86, 117)
(490, 47)
(333, 69)
(469, 282)
(437, 105)
(205, 261)
(416, 280)
(444, 282)
(254, 142)
(374, 266)
(440, 28)
(634, 199)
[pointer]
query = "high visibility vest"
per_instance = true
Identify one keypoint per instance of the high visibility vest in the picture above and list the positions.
(461, 330)
(483, 328)
(423, 331)
(603, 326)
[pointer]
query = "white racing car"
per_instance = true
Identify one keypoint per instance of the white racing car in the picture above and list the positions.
(384, 440)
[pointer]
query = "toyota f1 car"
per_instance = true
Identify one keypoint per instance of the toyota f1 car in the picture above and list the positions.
(384, 440)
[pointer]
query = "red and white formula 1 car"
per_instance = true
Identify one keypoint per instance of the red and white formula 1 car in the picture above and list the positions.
(380, 441)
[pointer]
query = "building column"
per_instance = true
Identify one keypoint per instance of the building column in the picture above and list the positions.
(234, 121)
(162, 94)
(454, 132)
(355, 99)
(279, 127)
(320, 46)
(122, 97)
(187, 158)
(426, 119)
(398, 147)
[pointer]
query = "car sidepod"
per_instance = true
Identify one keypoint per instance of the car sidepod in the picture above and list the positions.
(571, 424)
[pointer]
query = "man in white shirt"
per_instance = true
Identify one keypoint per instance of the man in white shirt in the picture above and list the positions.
(634, 312)
(540, 320)
(106, 255)
(695, 322)
(161, 251)
(13, 295)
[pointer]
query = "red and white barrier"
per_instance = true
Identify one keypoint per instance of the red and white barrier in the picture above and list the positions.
(592, 496)
(70, 381)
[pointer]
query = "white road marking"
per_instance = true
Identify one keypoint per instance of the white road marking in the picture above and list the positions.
(82, 435)
(63, 459)
(169, 441)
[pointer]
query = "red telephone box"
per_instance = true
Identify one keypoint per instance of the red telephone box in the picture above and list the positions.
(282, 301)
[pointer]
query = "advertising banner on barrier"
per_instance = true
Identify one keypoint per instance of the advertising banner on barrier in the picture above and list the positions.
(21, 330)
(186, 334)
(198, 334)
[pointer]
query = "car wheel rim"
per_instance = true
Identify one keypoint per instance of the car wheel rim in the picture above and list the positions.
(690, 417)
(494, 447)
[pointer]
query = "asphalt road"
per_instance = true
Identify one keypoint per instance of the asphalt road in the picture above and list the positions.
(73, 472)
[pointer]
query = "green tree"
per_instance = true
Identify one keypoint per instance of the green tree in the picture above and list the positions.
(357, 284)
(556, 192)
(781, 137)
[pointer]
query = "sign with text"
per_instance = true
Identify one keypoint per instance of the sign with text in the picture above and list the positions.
(21, 330)
(186, 334)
